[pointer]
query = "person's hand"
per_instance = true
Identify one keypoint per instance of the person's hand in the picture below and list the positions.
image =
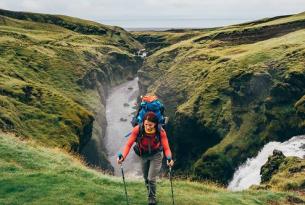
(120, 158)
(170, 162)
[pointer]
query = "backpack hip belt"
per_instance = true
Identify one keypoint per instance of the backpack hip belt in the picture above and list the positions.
(142, 153)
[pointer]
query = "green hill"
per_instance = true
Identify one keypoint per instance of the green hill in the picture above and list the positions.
(229, 91)
(33, 174)
(54, 75)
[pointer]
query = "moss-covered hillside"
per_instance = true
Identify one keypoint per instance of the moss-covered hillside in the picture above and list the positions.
(283, 173)
(54, 76)
(229, 91)
(32, 174)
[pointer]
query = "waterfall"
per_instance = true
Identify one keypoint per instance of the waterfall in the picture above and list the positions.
(119, 108)
(249, 173)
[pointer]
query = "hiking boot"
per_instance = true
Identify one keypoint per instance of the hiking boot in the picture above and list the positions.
(152, 201)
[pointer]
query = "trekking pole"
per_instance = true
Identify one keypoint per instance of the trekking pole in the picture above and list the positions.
(120, 156)
(170, 178)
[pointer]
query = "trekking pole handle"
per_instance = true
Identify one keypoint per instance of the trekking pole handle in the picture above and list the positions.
(120, 155)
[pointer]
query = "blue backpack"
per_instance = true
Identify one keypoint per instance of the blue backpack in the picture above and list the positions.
(149, 103)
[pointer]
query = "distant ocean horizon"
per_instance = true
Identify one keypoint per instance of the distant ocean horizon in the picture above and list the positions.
(166, 24)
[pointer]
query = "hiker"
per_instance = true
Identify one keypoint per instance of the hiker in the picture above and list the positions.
(151, 141)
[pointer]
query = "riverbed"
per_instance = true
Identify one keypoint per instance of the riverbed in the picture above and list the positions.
(120, 105)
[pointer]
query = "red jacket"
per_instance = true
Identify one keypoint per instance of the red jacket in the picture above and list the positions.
(146, 140)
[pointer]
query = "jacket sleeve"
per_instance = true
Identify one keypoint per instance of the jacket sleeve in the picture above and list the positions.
(164, 142)
(131, 140)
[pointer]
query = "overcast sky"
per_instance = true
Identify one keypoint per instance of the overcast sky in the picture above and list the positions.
(151, 13)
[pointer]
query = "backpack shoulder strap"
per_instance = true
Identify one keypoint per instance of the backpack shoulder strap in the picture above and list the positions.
(159, 129)
(140, 133)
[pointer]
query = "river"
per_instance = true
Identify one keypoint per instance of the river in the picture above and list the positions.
(249, 173)
(119, 108)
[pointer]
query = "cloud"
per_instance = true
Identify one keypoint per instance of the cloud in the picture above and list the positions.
(32, 5)
(158, 9)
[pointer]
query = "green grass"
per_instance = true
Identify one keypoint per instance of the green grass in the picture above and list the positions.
(32, 174)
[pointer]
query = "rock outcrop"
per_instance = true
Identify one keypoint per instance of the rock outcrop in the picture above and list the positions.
(283, 173)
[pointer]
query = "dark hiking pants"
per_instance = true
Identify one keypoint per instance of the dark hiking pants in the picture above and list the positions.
(151, 167)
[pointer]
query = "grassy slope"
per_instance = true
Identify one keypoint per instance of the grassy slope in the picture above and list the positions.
(231, 90)
(291, 175)
(50, 71)
(32, 174)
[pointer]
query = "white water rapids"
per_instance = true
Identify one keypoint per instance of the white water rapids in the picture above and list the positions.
(249, 173)
(119, 108)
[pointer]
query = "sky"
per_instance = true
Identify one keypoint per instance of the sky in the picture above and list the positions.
(161, 13)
